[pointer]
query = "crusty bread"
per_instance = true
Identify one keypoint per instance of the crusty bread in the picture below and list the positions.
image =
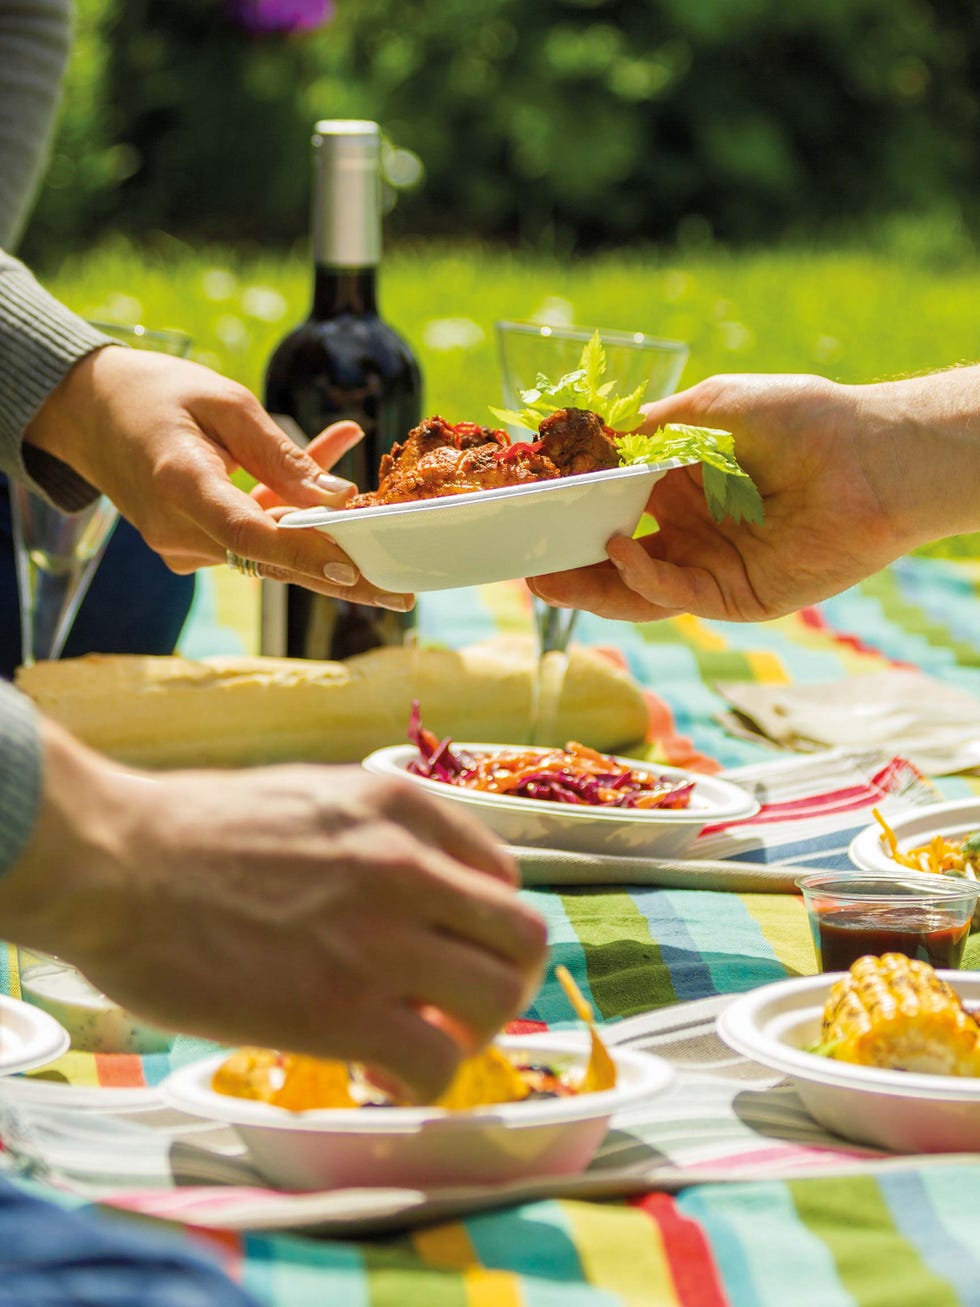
(234, 711)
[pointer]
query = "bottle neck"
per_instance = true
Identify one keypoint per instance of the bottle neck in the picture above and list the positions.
(346, 215)
(344, 290)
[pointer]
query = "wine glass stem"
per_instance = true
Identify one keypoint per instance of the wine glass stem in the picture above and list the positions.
(555, 627)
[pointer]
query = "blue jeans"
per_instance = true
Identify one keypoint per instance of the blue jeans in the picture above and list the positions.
(50, 1257)
(135, 604)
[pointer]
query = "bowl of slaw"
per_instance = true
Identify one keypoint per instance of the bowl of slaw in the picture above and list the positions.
(610, 827)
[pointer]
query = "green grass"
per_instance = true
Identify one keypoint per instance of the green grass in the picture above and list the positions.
(851, 314)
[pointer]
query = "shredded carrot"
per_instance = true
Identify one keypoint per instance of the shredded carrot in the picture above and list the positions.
(940, 855)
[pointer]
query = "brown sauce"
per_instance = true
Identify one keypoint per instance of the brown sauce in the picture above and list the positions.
(846, 934)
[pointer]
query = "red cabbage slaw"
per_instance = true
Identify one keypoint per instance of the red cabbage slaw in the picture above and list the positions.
(575, 774)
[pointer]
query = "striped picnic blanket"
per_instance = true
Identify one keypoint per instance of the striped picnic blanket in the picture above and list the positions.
(901, 1233)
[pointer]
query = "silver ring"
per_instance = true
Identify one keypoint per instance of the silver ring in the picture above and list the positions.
(246, 566)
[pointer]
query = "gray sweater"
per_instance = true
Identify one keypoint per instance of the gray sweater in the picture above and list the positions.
(39, 341)
(20, 773)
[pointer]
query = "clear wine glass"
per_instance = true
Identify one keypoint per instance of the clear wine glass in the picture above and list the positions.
(527, 349)
(56, 553)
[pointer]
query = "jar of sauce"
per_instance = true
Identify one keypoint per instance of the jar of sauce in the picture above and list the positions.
(848, 933)
(923, 915)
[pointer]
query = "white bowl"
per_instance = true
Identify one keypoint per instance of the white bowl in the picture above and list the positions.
(417, 1147)
(954, 818)
(94, 1022)
(542, 823)
(29, 1038)
(896, 1110)
(489, 535)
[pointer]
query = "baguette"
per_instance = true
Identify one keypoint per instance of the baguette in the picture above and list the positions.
(164, 712)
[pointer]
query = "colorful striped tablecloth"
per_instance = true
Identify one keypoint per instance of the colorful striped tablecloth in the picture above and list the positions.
(903, 1234)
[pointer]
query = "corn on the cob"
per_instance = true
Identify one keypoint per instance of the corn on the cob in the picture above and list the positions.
(894, 1011)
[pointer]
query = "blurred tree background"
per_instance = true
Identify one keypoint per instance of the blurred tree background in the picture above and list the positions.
(561, 125)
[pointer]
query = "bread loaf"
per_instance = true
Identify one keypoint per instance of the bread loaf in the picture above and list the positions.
(235, 711)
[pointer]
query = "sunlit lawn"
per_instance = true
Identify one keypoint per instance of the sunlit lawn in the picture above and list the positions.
(852, 315)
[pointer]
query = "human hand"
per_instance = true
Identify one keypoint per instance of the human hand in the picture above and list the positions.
(161, 436)
(819, 454)
(316, 909)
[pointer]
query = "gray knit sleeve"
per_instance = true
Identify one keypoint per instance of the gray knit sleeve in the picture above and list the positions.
(20, 773)
(35, 38)
(40, 340)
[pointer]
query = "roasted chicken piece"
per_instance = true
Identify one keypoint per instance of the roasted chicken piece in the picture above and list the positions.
(577, 440)
(438, 458)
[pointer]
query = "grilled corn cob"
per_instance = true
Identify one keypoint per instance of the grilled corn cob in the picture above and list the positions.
(894, 1011)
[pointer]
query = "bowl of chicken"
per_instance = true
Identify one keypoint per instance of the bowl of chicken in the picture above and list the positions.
(463, 505)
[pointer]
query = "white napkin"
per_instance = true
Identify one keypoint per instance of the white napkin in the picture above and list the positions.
(935, 725)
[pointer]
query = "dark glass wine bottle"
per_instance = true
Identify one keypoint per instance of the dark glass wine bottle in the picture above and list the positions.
(344, 361)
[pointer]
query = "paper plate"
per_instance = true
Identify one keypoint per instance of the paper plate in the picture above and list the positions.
(542, 823)
(29, 1038)
(895, 1110)
(418, 1147)
(489, 535)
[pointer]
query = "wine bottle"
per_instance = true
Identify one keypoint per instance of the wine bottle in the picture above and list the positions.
(344, 361)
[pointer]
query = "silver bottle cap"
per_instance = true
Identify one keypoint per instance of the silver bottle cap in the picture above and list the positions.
(346, 193)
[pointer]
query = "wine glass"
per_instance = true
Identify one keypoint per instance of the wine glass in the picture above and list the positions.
(528, 349)
(56, 553)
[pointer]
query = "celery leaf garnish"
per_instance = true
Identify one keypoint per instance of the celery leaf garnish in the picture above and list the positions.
(728, 488)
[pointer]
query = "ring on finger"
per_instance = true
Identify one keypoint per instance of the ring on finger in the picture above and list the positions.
(246, 566)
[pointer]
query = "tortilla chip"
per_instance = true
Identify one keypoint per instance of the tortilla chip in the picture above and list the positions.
(287, 1080)
(487, 1077)
(600, 1072)
(313, 1082)
(247, 1073)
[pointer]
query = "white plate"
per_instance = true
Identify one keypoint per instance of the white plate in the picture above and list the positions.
(541, 823)
(489, 535)
(29, 1038)
(954, 818)
(417, 1147)
(896, 1110)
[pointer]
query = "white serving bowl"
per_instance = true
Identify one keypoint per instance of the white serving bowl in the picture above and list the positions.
(419, 1147)
(542, 823)
(489, 535)
(957, 817)
(29, 1038)
(896, 1110)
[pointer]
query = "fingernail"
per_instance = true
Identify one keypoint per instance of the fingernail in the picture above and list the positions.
(334, 485)
(340, 573)
(395, 603)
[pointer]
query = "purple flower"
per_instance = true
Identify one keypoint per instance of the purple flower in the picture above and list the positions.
(279, 15)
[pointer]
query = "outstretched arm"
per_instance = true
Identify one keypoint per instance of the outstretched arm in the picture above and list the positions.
(851, 477)
(389, 927)
(161, 437)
